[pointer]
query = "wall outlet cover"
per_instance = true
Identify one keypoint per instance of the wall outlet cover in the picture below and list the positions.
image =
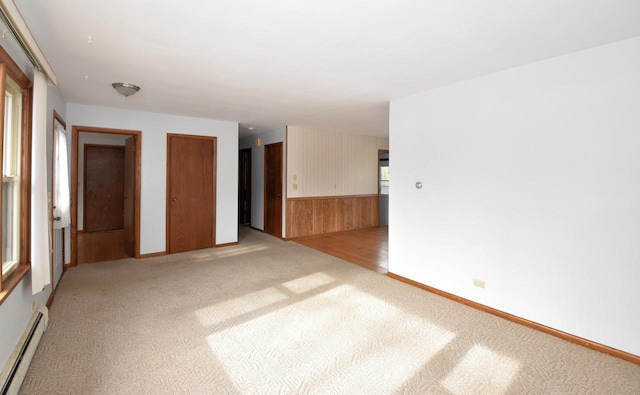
(479, 283)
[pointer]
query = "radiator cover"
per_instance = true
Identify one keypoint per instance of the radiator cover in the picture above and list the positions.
(18, 364)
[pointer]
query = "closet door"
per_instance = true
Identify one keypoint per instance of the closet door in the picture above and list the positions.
(190, 192)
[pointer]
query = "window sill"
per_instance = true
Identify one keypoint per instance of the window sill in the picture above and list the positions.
(13, 280)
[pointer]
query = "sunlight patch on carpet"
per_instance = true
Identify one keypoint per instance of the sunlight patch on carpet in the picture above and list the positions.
(342, 340)
(482, 371)
(233, 308)
(308, 283)
(239, 251)
(231, 251)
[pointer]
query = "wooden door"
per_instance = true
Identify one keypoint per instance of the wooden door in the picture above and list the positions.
(244, 185)
(273, 189)
(129, 194)
(190, 192)
(103, 187)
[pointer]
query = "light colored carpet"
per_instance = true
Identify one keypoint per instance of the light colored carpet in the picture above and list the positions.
(274, 317)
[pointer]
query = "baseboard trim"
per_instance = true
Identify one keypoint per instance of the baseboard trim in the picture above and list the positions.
(53, 291)
(51, 297)
(259, 230)
(235, 243)
(518, 320)
(153, 254)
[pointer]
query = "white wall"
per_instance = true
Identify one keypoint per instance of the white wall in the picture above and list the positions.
(154, 129)
(15, 310)
(531, 183)
(257, 173)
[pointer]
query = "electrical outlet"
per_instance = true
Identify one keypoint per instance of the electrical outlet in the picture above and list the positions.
(295, 187)
(478, 283)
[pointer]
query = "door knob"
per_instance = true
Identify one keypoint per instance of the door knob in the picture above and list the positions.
(173, 199)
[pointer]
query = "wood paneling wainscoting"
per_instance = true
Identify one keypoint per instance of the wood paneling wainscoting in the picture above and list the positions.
(315, 216)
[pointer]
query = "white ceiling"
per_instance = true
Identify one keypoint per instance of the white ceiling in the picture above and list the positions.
(331, 64)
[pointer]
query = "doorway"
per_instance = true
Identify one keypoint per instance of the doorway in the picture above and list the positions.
(191, 192)
(273, 189)
(60, 202)
(244, 187)
(105, 194)
(383, 187)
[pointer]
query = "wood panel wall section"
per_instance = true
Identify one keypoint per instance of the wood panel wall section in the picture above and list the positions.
(315, 216)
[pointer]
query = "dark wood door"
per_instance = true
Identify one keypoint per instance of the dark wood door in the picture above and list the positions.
(244, 185)
(191, 192)
(273, 189)
(129, 194)
(103, 187)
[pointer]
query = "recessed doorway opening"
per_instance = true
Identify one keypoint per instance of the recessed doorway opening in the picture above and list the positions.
(105, 194)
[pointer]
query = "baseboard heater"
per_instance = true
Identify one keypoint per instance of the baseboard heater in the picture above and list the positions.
(16, 369)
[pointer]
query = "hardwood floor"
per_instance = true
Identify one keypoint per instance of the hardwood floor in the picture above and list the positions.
(101, 246)
(368, 248)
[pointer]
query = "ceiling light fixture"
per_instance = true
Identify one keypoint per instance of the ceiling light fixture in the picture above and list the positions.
(125, 89)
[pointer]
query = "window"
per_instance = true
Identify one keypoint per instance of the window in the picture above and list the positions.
(15, 159)
(11, 172)
(384, 180)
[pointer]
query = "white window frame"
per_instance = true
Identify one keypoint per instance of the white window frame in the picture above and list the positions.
(11, 177)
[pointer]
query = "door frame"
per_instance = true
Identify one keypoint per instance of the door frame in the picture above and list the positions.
(56, 117)
(168, 187)
(242, 172)
(76, 130)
